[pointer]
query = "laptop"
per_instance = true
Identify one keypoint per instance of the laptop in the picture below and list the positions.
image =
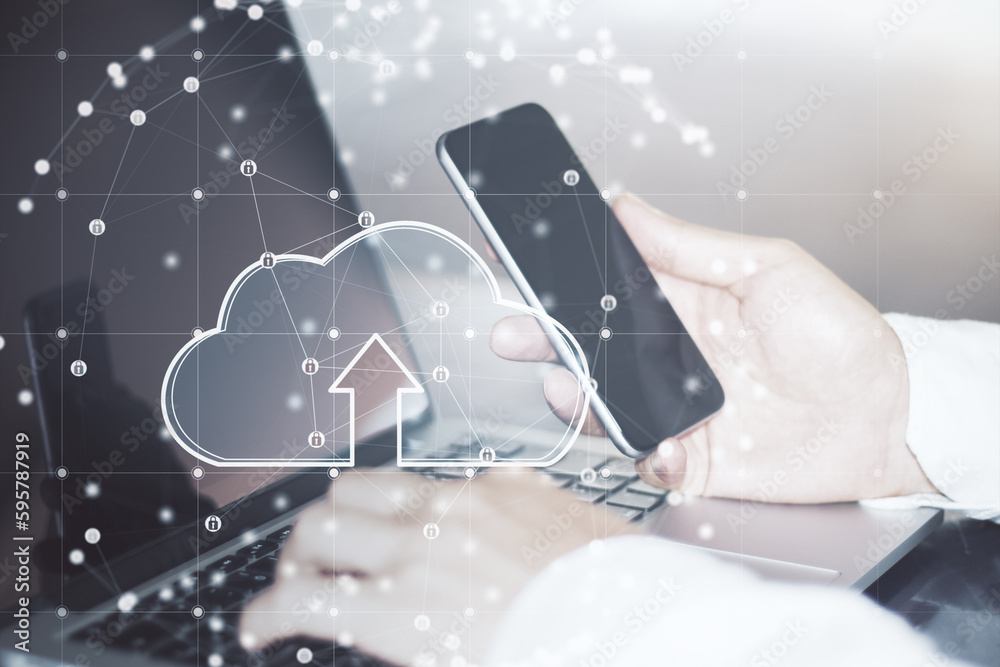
(113, 467)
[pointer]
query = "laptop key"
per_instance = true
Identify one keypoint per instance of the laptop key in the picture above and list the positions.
(227, 564)
(622, 467)
(640, 486)
(279, 536)
(257, 549)
(608, 485)
(248, 581)
(627, 513)
(264, 566)
(587, 494)
(630, 499)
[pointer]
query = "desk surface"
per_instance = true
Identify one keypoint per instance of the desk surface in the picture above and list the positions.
(948, 588)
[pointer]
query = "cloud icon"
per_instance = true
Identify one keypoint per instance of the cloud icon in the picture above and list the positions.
(387, 334)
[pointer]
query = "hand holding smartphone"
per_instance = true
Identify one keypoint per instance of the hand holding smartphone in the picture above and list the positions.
(568, 255)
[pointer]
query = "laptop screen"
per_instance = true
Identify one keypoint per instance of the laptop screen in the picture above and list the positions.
(180, 224)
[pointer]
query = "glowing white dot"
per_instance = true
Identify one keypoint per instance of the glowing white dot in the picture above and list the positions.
(715, 327)
(469, 55)
(333, 473)
(706, 531)
(352, 5)
(877, 194)
(586, 56)
(675, 498)
(746, 442)
(76, 557)
(741, 333)
(225, 5)
(62, 611)
(197, 332)
(25, 397)
(197, 611)
(333, 333)
(334, 55)
(557, 74)
(749, 267)
(92, 536)
(119, 82)
(85, 108)
(333, 194)
(658, 115)
(469, 473)
(197, 55)
(216, 624)
(606, 333)
(3, 341)
(171, 260)
(62, 472)
(314, 47)
(285, 54)
(304, 655)
(138, 117)
(197, 472)
(469, 333)
(192, 84)
(147, 53)
(741, 55)
(114, 69)
(255, 12)
(25, 205)
(742, 194)
(127, 601)
(434, 263)
(92, 490)
(421, 622)
(507, 52)
(197, 194)
(718, 266)
(197, 24)
(42, 167)
(166, 515)
(214, 660)
(308, 325)
(759, 391)
(706, 149)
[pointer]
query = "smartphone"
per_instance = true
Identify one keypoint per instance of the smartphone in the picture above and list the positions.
(554, 232)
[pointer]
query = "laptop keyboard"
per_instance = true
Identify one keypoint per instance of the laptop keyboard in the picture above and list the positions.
(165, 628)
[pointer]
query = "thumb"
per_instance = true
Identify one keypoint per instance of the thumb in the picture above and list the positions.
(684, 250)
(677, 465)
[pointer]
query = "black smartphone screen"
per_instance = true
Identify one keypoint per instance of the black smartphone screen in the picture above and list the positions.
(586, 272)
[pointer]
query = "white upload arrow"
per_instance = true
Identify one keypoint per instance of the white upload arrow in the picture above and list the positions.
(394, 366)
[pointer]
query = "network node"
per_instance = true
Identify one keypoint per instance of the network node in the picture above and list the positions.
(317, 439)
(333, 473)
(606, 194)
(97, 227)
(606, 333)
(310, 366)
(470, 194)
(571, 177)
(197, 611)
(267, 260)
(197, 55)
(333, 333)
(62, 333)
(197, 194)
(609, 302)
(197, 472)
(469, 55)
(431, 531)
(213, 523)
(62, 472)
(742, 194)
(191, 84)
(92, 536)
(386, 67)
(366, 219)
(138, 117)
(62, 194)
(248, 168)
(62, 611)
(441, 374)
(62, 55)
(487, 455)
(469, 333)
(441, 308)
(197, 332)
(333, 194)
(78, 368)
(334, 55)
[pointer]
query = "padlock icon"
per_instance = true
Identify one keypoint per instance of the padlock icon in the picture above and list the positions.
(249, 167)
(213, 524)
(97, 227)
(441, 374)
(441, 308)
(316, 439)
(487, 455)
(366, 219)
(267, 260)
(609, 302)
(309, 366)
(78, 368)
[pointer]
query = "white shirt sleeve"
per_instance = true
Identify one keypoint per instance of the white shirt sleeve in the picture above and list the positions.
(641, 600)
(954, 419)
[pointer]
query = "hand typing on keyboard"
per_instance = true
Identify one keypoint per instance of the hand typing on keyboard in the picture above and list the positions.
(365, 567)
(815, 379)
